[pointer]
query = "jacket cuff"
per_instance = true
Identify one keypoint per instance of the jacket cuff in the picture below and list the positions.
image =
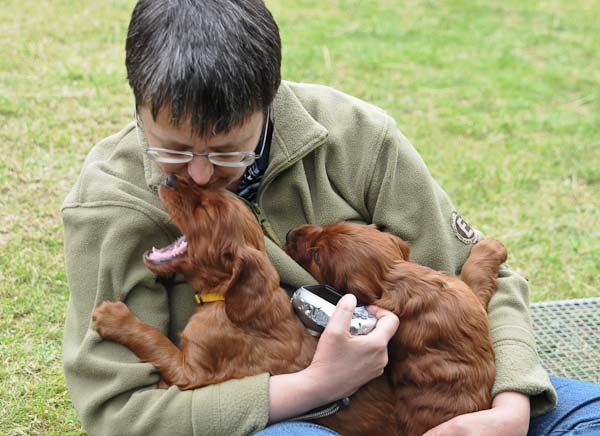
(515, 373)
(236, 407)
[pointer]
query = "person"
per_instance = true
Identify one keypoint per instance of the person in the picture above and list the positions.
(210, 103)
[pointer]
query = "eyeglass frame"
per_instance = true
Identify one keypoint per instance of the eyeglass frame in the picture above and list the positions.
(209, 154)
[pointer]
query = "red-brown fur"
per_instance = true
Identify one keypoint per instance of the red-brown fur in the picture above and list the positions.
(253, 331)
(441, 357)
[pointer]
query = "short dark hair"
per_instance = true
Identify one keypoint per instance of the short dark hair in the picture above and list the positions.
(217, 61)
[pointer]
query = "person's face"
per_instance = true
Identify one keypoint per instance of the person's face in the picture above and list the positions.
(161, 133)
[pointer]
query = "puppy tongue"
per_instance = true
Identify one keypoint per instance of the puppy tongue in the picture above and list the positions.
(177, 248)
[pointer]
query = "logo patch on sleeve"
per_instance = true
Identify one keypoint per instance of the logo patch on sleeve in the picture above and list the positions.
(463, 231)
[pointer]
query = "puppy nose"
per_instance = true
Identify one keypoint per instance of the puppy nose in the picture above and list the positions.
(288, 236)
(171, 180)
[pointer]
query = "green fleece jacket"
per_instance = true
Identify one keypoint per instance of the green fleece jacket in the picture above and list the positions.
(332, 158)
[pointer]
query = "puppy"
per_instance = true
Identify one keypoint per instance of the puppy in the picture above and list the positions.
(441, 357)
(249, 327)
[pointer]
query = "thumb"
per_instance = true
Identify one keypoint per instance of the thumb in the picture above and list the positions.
(342, 315)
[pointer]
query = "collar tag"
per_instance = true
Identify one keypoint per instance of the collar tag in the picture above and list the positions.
(207, 298)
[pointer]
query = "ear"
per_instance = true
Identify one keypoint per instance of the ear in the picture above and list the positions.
(350, 270)
(315, 255)
(251, 285)
(402, 246)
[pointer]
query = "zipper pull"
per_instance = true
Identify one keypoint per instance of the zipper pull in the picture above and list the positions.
(264, 223)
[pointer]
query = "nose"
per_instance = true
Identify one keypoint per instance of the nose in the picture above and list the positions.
(171, 180)
(200, 170)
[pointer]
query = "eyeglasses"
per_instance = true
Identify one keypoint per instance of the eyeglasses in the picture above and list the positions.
(233, 159)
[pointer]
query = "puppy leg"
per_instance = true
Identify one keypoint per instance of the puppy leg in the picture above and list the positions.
(114, 321)
(480, 271)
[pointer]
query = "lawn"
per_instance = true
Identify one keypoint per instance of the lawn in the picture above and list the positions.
(502, 99)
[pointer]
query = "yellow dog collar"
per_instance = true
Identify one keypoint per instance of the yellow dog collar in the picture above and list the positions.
(208, 298)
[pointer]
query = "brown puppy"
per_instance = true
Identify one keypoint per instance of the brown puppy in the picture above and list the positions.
(222, 253)
(252, 330)
(441, 357)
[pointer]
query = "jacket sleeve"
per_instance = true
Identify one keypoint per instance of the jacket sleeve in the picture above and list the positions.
(403, 198)
(112, 391)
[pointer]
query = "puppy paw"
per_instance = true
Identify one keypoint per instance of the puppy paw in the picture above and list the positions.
(110, 319)
(492, 249)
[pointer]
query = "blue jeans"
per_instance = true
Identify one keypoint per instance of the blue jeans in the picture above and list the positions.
(296, 428)
(576, 414)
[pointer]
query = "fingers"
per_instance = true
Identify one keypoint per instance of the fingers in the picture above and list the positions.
(367, 353)
(376, 310)
(339, 323)
(387, 323)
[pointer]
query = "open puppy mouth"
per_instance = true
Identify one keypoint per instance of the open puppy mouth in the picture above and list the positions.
(172, 251)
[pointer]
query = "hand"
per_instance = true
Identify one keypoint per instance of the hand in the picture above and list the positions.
(509, 416)
(343, 363)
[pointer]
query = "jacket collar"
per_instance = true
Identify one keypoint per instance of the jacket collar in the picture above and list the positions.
(295, 134)
(153, 173)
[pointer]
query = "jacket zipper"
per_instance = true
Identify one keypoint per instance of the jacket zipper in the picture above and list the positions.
(262, 219)
(264, 223)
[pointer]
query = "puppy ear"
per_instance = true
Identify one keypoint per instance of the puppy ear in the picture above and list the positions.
(250, 286)
(402, 246)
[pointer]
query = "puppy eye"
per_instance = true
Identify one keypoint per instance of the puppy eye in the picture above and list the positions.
(316, 256)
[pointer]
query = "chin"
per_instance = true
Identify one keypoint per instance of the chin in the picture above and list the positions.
(231, 185)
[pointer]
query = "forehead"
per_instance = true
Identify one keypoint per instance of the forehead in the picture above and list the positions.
(164, 131)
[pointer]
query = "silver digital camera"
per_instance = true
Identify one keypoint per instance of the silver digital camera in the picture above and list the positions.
(314, 305)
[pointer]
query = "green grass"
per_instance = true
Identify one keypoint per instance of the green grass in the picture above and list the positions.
(501, 99)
